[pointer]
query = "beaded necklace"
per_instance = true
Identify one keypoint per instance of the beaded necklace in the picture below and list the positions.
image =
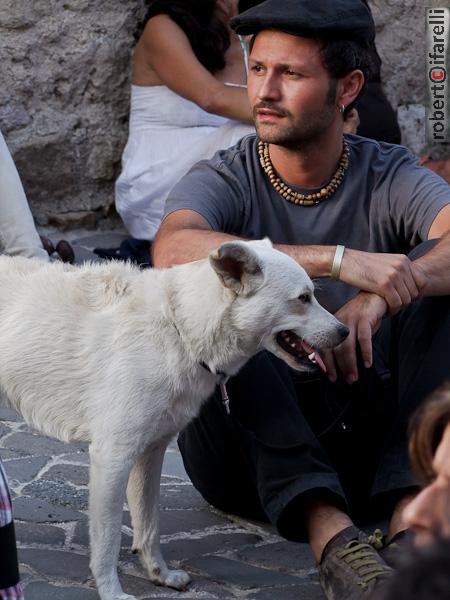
(297, 197)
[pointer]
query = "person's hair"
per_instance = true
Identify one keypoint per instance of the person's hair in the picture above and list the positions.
(425, 576)
(341, 57)
(204, 24)
(426, 430)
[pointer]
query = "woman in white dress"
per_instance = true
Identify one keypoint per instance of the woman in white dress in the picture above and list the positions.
(188, 100)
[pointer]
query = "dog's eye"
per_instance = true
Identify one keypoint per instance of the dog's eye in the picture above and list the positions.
(305, 298)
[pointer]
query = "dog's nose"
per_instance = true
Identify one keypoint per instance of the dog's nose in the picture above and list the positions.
(343, 331)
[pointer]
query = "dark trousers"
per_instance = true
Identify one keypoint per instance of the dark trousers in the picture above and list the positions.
(287, 435)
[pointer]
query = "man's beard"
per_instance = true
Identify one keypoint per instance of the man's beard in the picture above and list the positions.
(304, 131)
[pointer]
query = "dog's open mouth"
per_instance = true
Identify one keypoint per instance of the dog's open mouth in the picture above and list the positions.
(299, 349)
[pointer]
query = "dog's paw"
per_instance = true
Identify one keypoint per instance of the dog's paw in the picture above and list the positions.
(177, 579)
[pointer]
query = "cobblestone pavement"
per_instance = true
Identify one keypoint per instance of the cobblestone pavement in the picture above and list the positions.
(227, 557)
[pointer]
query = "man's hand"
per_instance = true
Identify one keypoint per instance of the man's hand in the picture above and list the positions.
(392, 276)
(362, 315)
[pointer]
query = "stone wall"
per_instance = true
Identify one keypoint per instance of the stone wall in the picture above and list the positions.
(65, 87)
(401, 44)
(64, 100)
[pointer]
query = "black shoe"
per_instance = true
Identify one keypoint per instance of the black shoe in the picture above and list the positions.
(350, 568)
(47, 244)
(65, 251)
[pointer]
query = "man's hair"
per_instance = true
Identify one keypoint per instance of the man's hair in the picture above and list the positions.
(426, 575)
(426, 430)
(341, 57)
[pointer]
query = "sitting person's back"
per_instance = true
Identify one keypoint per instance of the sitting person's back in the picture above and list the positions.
(188, 100)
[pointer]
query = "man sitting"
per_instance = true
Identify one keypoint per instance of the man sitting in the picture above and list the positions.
(313, 454)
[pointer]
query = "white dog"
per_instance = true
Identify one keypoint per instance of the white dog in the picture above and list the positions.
(124, 358)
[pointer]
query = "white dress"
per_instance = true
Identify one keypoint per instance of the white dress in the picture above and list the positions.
(168, 134)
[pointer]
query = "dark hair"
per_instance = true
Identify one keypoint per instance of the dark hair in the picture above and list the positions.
(426, 431)
(202, 22)
(340, 57)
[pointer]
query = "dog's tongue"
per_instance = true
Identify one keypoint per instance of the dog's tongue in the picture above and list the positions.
(314, 356)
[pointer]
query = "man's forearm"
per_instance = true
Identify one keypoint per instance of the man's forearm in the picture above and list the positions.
(186, 245)
(316, 260)
(435, 265)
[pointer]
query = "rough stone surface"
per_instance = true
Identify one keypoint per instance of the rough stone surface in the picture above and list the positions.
(64, 101)
(33, 444)
(401, 45)
(207, 544)
(58, 493)
(78, 475)
(289, 556)
(41, 511)
(24, 468)
(239, 573)
(306, 591)
(56, 564)
(44, 591)
(39, 533)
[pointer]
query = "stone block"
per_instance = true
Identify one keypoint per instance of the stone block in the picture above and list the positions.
(24, 469)
(41, 590)
(58, 493)
(8, 414)
(39, 533)
(38, 444)
(284, 556)
(76, 474)
(239, 574)
(41, 511)
(56, 564)
(306, 591)
(185, 549)
(180, 496)
(82, 219)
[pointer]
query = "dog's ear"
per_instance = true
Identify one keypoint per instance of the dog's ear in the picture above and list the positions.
(238, 267)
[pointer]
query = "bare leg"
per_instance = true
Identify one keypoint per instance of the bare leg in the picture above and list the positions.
(108, 479)
(143, 500)
(324, 520)
(397, 522)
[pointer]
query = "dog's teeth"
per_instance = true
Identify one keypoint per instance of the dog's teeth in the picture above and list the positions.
(312, 357)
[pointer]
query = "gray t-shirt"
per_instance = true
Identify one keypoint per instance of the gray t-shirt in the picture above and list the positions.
(386, 203)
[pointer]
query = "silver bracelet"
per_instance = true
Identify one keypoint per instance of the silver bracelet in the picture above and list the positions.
(337, 262)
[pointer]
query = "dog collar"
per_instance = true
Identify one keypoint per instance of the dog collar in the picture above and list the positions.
(223, 378)
(222, 384)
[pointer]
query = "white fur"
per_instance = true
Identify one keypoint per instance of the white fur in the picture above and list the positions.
(111, 355)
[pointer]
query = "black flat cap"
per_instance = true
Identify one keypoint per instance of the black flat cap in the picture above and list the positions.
(346, 19)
